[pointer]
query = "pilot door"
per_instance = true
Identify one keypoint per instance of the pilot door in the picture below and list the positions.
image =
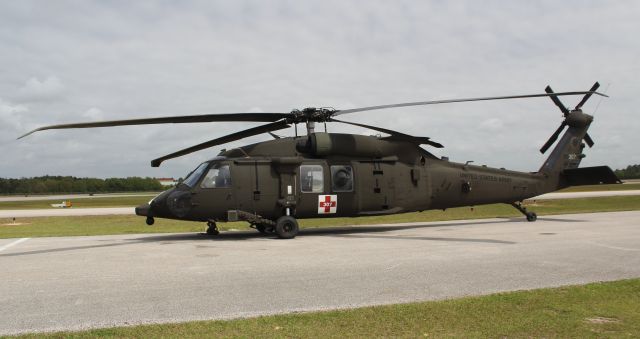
(256, 187)
(215, 193)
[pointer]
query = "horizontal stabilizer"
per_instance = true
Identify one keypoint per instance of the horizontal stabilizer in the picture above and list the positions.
(590, 176)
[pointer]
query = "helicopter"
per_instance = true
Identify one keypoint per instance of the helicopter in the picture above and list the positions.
(274, 183)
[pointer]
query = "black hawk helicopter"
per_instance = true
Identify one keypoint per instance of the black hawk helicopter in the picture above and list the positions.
(271, 184)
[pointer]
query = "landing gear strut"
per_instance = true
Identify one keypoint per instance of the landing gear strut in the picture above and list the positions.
(530, 215)
(212, 228)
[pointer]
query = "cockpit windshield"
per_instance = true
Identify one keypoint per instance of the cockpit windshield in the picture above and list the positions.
(194, 176)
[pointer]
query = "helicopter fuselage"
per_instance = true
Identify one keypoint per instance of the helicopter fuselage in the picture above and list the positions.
(392, 177)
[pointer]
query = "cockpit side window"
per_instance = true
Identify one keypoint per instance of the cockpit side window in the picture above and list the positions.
(194, 176)
(219, 176)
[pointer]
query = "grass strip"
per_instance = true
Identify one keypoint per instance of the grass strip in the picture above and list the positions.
(129, 224)
(126, 201)
(598, 310)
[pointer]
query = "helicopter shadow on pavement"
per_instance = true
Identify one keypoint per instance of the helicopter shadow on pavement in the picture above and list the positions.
(345, 231)
(351, 231)
(371, 231)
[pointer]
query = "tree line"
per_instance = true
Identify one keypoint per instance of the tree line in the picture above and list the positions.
(62, 184)
(68, 184)
(631, 172)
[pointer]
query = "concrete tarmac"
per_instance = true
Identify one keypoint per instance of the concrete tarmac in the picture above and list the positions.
(76, 283)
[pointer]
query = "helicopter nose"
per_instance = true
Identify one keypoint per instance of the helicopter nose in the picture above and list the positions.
(156, 207)
(143, 210)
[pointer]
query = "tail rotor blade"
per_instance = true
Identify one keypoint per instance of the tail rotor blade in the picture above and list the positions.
(553, 138)
(588, 95)
(588, 140)
(557, 101)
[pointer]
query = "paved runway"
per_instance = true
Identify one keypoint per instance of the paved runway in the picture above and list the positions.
(593, 194)
(83, 282)
(66, 212)
(73, 196)
(53, 212)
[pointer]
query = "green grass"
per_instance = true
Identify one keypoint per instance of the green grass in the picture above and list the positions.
(599, 310)
(77, 203)
(125, 201)
(103, 225)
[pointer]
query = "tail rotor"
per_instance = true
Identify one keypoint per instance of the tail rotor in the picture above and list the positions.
(566, 112)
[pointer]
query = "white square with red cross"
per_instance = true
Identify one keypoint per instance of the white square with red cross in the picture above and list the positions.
(327, 204)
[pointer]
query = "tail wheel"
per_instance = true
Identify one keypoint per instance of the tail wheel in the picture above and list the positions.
(286, 227)
(532, 216)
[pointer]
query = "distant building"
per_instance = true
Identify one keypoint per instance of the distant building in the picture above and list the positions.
(167, 181)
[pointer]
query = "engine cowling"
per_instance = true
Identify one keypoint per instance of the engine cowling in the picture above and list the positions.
(321, 144)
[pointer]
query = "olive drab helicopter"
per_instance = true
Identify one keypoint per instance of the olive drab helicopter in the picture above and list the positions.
(273, 183)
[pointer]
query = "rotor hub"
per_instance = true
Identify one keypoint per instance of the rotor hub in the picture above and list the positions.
(310, 114)
(576, 118)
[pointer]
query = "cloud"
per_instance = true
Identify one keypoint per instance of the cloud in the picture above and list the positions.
(93, 113)
(35, 90)
(492, 125)
(92, 60)
(10, 116)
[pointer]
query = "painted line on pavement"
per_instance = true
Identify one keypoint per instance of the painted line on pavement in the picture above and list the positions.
(11, 244)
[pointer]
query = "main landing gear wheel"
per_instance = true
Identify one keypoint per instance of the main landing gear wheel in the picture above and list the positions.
(531, 216)
(212, 228)
(286, 227)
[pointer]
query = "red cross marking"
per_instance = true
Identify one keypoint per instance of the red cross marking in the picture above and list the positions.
(328, 203)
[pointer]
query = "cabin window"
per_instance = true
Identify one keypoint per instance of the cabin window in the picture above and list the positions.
(218, 176)
(311, 179)
(341, 178)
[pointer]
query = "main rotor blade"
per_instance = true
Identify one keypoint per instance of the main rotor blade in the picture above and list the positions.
(434, 102)
(587, 96)
(258, 117)
(553, 138)
(397, 135)
(588, 140)
(274, 126)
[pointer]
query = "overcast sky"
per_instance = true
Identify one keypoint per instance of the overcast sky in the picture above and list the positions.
(75, 61)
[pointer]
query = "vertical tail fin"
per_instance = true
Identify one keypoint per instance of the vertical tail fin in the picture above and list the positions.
(568, 152)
